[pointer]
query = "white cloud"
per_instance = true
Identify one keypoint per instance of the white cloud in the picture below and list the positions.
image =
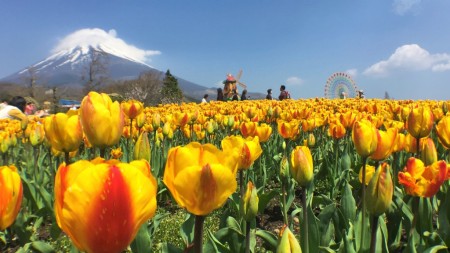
(401, 7)
(95, 36)
(293, 80)
(410, 57)
(352, 72)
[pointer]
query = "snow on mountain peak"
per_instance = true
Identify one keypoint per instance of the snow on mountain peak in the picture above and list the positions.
(101, 40)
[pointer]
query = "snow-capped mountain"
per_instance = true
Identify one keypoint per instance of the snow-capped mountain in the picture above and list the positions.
(69, 67)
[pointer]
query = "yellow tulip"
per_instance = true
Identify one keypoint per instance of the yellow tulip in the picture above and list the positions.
(11, 195)
(288, 242)
(102, 120)
(37, 133)
(301, 165)
(386, 140)
(420, 122)
(365, 138)
(380, 190)
(200, 177)
(101, 204)
(443, 131)
(63, 132)
(264, 131)
(370, 170)
(248, 149)
(132, 108)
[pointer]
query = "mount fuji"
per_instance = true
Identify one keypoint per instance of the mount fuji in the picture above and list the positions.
(67, 67)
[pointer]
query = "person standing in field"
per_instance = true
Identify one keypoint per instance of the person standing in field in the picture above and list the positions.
(284, 94)
(269, 94)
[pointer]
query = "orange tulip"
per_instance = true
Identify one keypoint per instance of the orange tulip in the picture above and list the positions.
(365, 138)
(102, 120)
(336, 130)
(11, 195)
(101, 204)
(422, 181)
(200, 177)
(420, 122)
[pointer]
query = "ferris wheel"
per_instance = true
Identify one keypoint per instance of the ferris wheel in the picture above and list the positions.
(339, 83)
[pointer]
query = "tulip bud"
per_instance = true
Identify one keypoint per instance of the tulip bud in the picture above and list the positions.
(140, 120)
(12, 193)
(142, 148)
(345, 162)
(250, 202)
(230, 122)
(156, 120)
(311, 140)
(380, 190)
(288, 242)
(301, 164)
(284, 169)
(428, 152)
(37, 134)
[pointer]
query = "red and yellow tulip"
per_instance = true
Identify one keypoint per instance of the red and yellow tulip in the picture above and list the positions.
(422, 181)
(11, 195)
(101, 204)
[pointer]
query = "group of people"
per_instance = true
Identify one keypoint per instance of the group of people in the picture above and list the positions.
(18, 108)
(284, 94)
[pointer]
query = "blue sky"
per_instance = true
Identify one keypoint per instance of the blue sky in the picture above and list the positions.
(398, 46)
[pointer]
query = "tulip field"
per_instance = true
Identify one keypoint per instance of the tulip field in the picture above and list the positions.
(312, 175)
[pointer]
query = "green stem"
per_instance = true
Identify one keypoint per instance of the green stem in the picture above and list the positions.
(283, 192)
(103, 153)
(198, 233)
(128, 141)
(66, 158)
(305, 220)
(373, 238)
(418, 147)
(241, 183)
(247, 237)
(363, 198)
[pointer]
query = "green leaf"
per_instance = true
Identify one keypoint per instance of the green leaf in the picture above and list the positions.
(271, 241)
(313, 231)
(187, 229)
(215, 245)
(348, 203)
(264, 199)
(169, 248)
(142, 242)
(42, 247)
(435, 249)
